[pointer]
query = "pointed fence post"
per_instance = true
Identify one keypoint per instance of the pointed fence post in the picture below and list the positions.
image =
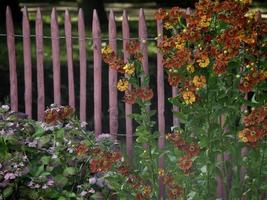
(12, 60)
(96, 32)
(55, 56)
(142, 31)
(161, 104)
(112, 81)
(128, 107)
(40, 65)
(27, 63)
(83, 70)
(67, 25)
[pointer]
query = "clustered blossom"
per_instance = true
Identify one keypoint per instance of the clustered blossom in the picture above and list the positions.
(57, 114)
(198, 45)
(190, 149)
(255, 126)
(128, 69)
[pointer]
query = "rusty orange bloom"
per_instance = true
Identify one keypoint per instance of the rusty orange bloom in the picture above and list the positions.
(189, 97)
(133, 46)
(50, 116)
(199, 81)
(145, 94)
(192, 150)
(185, 164)
(174, 79)
(161, 14)
(81, 149)
(130, 97)
(204, 61)
(65, 112)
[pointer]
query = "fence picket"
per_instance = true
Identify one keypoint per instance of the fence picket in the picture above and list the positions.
(161, 104)
(175, 108)
(12, 60)
(96, 32)
(128, 107)
(55, 56)
(27, 63)
(68, 34)
(82, 57)
(40, 65)
(142, 31)
(112, 81)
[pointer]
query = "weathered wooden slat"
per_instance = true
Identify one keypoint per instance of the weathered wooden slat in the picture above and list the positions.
(112, 81)
(161, 104)
(12, 60)
(55, 56)
(142, 30)
(27, 63)
(40, 65)
(128, 107)
(175, 108)
(82, 57)
(68, 34)
(96, 32)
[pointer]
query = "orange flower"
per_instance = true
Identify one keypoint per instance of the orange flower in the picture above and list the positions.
(199, 81)
(133, 46)
(65, 112)
(81, 149)
(129, 97)
(161, 14)
(174, 79)
(50, 116)
(175, 192)
(145, 94)
(185, 164)
(192, 150)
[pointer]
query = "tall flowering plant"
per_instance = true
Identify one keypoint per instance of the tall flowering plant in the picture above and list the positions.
(216, 58)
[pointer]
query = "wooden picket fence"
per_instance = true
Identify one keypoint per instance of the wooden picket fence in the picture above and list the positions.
(97, 71)
(97, 68)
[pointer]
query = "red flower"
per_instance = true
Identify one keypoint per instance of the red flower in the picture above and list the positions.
(185, 164)
(81, 149)
(133, 46)
(192, 150)
(130, 97)
(174, 79)
(50, 116)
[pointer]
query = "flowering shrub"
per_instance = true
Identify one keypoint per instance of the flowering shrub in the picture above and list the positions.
(216, 58)
(49, 160)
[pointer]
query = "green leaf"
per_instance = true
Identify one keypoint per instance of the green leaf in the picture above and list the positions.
(61, 198)
(8, 191)
(181, 116)
(60, 180)
(38, 171)
(39, 131)
(45, 160)
(69, 171)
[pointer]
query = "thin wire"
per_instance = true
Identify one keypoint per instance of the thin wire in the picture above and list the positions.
(86, 38)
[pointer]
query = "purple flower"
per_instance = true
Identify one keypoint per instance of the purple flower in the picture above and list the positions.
(9, 176)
